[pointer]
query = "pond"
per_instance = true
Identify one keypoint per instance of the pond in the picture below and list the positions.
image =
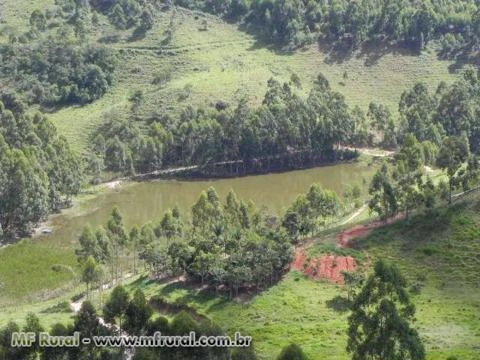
(31, 267)
(142, 202)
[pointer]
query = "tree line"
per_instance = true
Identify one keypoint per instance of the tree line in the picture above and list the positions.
(440, 129)
(299, 131)
(451, 111)
(57, 70)
(287, 130)
(409, 22)
(132, 314)
(38, 171)
(125, 14)
(380, 308)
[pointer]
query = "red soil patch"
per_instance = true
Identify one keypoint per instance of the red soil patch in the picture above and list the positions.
(327, 267)
(344, 238)
(358, 231)
(330, 267)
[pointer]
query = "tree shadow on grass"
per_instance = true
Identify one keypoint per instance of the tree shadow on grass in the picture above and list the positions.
(339, 304)
(371, 51)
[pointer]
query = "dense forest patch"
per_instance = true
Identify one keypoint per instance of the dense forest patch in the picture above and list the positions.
(38, 172)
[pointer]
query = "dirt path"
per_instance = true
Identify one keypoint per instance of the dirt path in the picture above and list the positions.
(371, 151)
(76, 306)
(345, 237)
(354, 215)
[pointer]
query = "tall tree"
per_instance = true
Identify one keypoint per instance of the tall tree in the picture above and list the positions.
(409, 174)
(91, 273)
(116, 306)
(379, 325)
(137, 314)
(292, 352)
(384, 199)
(452, 155)
(118, 238)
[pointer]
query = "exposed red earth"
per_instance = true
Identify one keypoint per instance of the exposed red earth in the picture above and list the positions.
(359, 231)
(344, 238)
(327, 267)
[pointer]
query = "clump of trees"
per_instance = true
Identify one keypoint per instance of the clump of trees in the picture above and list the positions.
(287, 131)
(125, 14)
(133, 315)
(403, 186)
(310, 211)
(439, 129)
(86, 322)
(57, 70)
(38, 171)
(451, 111)
(101, 251)
(229, 245)
(233, 245)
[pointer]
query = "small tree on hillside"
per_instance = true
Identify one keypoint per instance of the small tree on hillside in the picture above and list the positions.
(118, 238)
(137, 314)
(409, 174)
(292, 352)
(134, 237)
(91, 273)
(379, 326)
(452, 155)
(116, 305)
(384, 200)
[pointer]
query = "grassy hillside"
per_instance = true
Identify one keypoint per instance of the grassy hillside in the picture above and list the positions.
(217, 61)
(208, 60)
(226, 64)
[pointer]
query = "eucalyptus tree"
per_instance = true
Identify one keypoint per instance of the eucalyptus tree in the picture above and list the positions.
(451, 157)
(380, 321)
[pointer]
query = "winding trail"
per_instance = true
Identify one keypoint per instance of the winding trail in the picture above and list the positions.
(354, 215)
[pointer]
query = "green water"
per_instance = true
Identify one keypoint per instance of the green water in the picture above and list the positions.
(142, 202)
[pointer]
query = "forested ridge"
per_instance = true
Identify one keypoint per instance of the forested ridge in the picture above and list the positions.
(52, 63)
(307, 130)
(299, 130)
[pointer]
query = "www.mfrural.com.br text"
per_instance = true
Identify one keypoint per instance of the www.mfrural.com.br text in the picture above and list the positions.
(44, 339)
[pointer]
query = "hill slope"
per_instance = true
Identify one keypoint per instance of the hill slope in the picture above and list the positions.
(207, 60)
(438, 252)
(225, 64)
